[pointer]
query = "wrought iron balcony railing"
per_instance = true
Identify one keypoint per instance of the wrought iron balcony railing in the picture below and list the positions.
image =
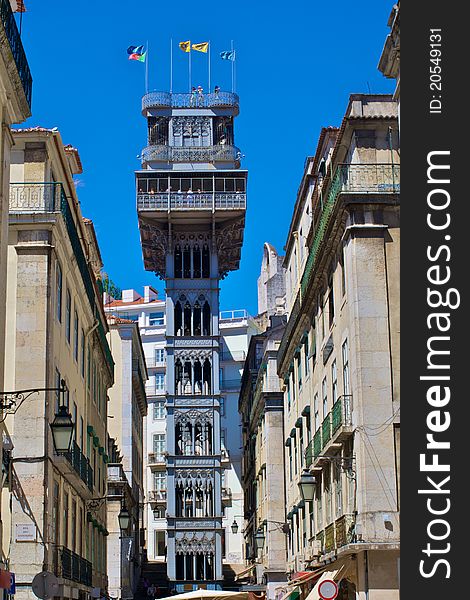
(184, 201)
(341, 413)
(170, 100)
(16, 46)
(326, 430)
(361, 179)
(80, 464)
(35, 197)
(69, 565)
(204, 154)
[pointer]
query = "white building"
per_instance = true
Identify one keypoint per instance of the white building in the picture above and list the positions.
(236, 327)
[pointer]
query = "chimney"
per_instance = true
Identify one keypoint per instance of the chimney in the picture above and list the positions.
(150, 294)
(129, 296)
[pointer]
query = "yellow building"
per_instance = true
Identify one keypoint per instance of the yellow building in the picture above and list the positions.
(339, 356)
(56, 330)
(15, 107)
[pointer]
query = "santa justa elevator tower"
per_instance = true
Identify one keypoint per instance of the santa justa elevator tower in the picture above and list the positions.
(191, 202)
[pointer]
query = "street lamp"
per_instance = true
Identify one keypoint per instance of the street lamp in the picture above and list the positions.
(307, 485)
(234, 527)
(259, 538)
(62, 430)
(124, 518)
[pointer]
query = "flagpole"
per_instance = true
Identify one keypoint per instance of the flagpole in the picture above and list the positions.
(171, 65)
(147, 69)
(233, 65)
(189, 66)
(209, 90)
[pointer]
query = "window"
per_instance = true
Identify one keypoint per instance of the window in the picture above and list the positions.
(159, 410)
(306, 355)
(55, 515)
(334, 381)
(159, 445)
(57, 394)
(66, 519)
(159, 382)
(68, 314)
(331, 304)
(159, 513)
(223, 434)
(58, 277)
(75, 336)
(324, 397)
(157, 318)
(159, 481)
(343, 273)
(73, 525)
(299, 369)
(159, 355)
(222, 406)
(75, 422)
(338, 489)
(288, 394)
(345, 354)
(316, 412)
(160, 543)
(82, 355)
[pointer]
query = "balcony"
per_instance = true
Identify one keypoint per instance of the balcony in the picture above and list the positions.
(344, 530)
(169, 100)
(69, 565)
(164, 201)
(154, 362)
(362, 180)
(190, 154)
(49, 197)
(17, 50)
(156, 459)
(35, 197)
(330, 538)
(158, 496)
(341, 419)
(336, 427)
(79, 463)
(153, 390)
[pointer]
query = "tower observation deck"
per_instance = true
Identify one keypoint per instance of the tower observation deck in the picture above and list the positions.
(191, 202)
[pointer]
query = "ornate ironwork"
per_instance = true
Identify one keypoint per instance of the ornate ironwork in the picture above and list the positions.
(10, 402)
(16, 46)
(167, 100)
(94, 504)
(35, 197)
(341, 413)
(184, 201)
(177, 154)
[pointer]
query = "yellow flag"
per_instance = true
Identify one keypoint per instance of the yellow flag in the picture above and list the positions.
(202, 47)
(185, 46)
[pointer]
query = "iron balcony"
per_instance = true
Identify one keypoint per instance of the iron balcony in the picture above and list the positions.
(190, 154)
(195, 201)
(166, 100)
(16, 47)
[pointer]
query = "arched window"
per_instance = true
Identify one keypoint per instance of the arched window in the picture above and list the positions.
(187, 262)
(205, 262)
(206, 319)
(187, 319)
(178, 319)
(178, 262)
(197, 262)
(207, 377)
(197, 319)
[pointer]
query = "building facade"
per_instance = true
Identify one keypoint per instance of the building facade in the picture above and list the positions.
(339, 356)
(191, 201)
(15, 107)
(127, 409)
(261, 406)
(235, 328)
(56, 331)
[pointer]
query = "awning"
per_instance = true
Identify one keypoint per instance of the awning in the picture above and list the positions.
(335, 574)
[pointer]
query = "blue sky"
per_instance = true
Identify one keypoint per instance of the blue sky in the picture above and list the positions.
(297, 63)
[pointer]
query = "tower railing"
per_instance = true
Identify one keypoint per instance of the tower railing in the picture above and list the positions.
(195, 100)
(183, 200)
(182, 154)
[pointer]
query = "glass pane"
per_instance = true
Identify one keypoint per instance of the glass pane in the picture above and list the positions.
(207, 185)
(197, 185)
(219, 185)
(185, 185)
(240, 185)
(152, 185)
(174, 184)
(230, 185)
(163, 184)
